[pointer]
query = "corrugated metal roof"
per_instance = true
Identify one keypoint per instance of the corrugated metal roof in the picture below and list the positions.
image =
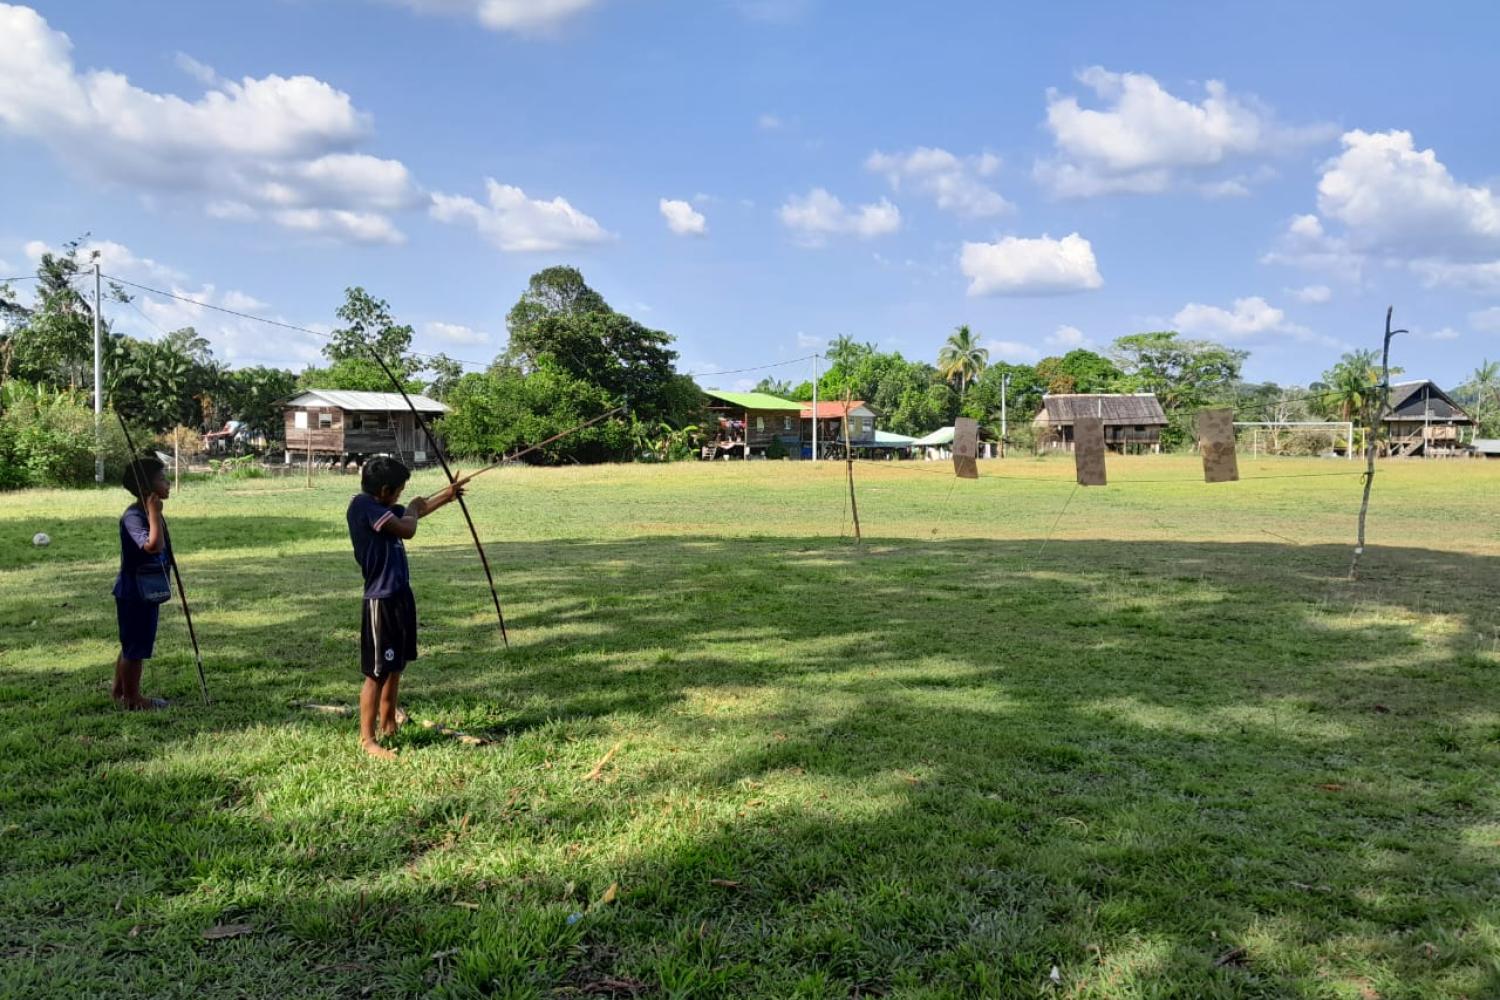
(938, 438)
(1116, 408)
(1487, 446)
(1405, 392)
(889, 440)
(753, 400)
(835, 410)
(345, 399)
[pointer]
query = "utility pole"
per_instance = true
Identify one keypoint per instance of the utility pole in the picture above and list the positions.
(98, 386)
(815, 408)
(1004, 433)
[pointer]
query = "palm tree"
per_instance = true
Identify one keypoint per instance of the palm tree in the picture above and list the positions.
(1352, 383)
(962, 356)
(1484, 388)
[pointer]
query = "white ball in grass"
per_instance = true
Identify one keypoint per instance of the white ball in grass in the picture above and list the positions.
(40, 539)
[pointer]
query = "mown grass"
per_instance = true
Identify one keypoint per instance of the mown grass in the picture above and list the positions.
(1173, 753)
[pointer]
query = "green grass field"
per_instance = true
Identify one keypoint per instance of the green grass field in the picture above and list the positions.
(1173, 753)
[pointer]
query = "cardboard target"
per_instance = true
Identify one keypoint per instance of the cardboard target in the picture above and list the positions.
(1216, 441)
(966, 448)
(1088, 451)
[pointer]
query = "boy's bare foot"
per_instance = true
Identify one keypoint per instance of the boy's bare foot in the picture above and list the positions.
(376, 750)
(388, 728)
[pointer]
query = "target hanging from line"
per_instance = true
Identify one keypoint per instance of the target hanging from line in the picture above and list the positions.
(1216, 441)
(966, 448)
(1088, 451)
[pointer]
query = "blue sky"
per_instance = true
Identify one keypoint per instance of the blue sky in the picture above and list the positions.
(758, 176)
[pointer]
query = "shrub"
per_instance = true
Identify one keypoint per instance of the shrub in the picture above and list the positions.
(47, 438)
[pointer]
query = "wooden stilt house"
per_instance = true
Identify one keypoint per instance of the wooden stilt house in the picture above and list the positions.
(1132, 421)
(335, 425)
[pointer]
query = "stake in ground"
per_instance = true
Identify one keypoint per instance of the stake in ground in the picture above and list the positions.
(1178, 754)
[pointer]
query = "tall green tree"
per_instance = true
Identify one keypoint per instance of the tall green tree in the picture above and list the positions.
(1079, 370)
(551, 293)
(1184, 374)
(51, 342)
(1481, 394)
(368, 324)
(961, 357)
(253, 395)
(1023, 395)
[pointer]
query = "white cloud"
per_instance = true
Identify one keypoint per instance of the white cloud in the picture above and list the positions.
(817, 215)
(339, 224)
(1398, 205)
(1041, 266)
(1445, 333)
(114, 259)
(516, 224)
(768, 122)
(235, 339)
(247, 148)
(807, 340)
(454, 333)
(201, 72)
(682, 218)
(1144, 140)
(1248, 318)
(1395, 199)
(1481, 279)
(1316, 294)
(520, 16)
(953, 182)
(1068, 338)
(1013, 351)
(1306, 245)
(1486, 320)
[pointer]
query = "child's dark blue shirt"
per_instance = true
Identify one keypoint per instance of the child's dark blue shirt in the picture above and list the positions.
(380, 554)
(135, 530)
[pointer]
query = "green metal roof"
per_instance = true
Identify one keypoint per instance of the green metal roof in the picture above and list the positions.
(889, 440)
(938, 438)
(754, 400)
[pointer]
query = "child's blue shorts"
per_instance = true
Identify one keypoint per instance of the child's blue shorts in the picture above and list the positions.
(137, 627)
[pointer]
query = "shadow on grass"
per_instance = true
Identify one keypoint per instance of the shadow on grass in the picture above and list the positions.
(1168, 769)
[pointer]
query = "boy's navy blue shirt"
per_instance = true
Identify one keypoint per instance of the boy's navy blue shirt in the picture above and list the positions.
(135, 530)
(380, 554)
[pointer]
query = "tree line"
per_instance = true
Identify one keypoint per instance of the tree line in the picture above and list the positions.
(569, 357)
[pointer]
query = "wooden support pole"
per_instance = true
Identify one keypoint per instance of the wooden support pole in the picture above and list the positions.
(1375, 414)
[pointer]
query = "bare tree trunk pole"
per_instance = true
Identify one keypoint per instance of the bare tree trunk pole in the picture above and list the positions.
(849, 466)
(1374, 415)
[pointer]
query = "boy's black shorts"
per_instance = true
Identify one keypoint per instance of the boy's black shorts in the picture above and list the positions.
(387, 634)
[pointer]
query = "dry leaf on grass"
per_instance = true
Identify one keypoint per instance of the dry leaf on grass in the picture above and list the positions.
(724, 883)
(610, 894)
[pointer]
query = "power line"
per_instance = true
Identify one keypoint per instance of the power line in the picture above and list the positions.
(755, 368)
(476, 365)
